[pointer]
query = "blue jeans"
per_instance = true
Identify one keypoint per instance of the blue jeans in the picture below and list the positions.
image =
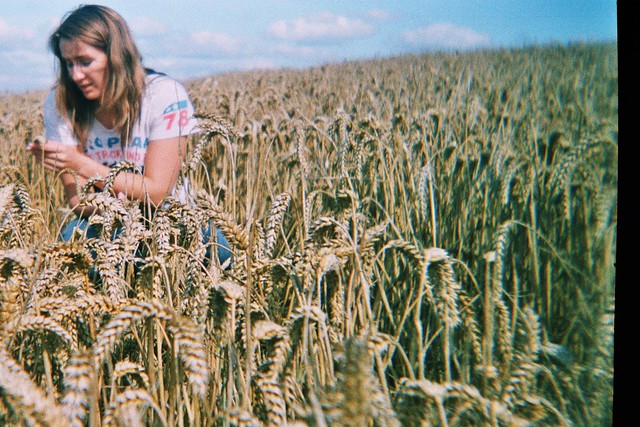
(90, 231)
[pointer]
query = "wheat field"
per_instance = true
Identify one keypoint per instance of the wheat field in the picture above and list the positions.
(422, 240)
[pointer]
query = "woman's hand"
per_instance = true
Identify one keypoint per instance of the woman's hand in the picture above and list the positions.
(162, 165)
(55, 156)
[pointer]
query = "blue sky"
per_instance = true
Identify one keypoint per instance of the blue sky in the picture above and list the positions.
(189, 39)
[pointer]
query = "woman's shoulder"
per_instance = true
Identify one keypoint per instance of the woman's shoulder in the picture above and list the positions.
(164, 96)
(50, 99)
(50, 104)
(159, 81)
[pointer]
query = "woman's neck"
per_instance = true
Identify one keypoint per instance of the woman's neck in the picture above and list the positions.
(106, 117)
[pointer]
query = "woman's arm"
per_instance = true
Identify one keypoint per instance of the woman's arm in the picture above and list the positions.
(162, 165)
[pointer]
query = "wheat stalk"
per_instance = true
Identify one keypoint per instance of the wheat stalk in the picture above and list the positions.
(446, 291)
(360, 400)
(232, 231)
(358, 136)
(504, 337)
(107, 265)
(270, 402)
(188, 340)
(211, 125)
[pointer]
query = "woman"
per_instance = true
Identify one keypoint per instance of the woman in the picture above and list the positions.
(107, 108)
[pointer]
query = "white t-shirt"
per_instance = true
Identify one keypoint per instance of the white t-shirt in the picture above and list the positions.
(165, 112)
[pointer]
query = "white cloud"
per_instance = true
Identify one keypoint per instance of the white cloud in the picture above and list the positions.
(255, 63)
(446, 35)
(162, 64)
(10, 34)
(214, 42)
(297, 51)
(323, 26)
(379, 14)
(144, 27)
(188, 68)
(25, 58)
(23, 69)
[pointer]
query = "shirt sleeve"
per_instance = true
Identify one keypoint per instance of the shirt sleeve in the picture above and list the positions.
(170, 109)
(56, 127)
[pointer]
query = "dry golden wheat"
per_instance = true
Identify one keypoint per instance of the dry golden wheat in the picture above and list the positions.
(325, 183)
(26, 397)
(78, 377)
(125, 410)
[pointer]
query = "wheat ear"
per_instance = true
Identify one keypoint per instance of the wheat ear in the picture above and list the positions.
(126, 409)
(78, 376)
(274, 221)
(267, 381)
(27, 398)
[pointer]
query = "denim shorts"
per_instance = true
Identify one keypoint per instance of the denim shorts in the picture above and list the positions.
(91, 231)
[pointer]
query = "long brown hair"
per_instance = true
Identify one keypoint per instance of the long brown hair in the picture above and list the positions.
(104, 29)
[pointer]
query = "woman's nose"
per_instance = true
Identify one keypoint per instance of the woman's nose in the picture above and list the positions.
(76, 73)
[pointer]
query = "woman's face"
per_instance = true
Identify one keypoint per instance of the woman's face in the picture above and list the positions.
(87, 67)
